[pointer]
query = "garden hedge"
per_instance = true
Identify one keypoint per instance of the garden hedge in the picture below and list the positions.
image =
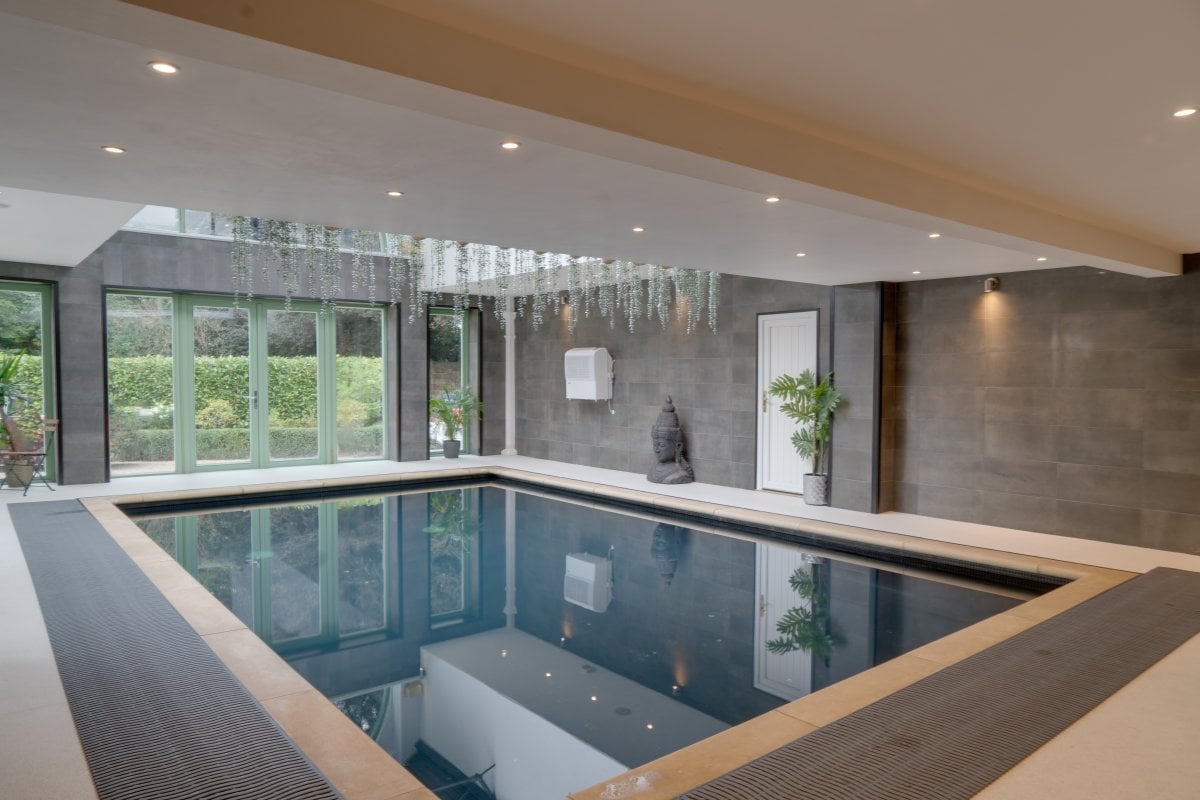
(145, 382)
(230, 443)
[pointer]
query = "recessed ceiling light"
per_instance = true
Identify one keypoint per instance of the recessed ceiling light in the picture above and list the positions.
(935, 236)
(112, 148)
(801, 255)
(772, 199)
(1184, 112)
(547, 674)
(510, 145)
(395, 193)
(639, 229)
(1041, 258)
(916, 272)
(163, 67)
(649, 726)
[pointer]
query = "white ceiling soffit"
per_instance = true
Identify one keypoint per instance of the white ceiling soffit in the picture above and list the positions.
(56, 229)
(323, 144)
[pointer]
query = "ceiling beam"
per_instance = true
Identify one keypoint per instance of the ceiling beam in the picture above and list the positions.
(375, 36)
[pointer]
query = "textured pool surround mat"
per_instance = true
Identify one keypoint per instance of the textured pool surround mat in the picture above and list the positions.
(158, 714)
(953, 733)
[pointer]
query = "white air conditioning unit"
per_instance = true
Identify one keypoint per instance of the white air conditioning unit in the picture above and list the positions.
(589, 373)
(588, 581)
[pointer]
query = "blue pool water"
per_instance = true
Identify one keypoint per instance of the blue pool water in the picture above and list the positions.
(473, 629)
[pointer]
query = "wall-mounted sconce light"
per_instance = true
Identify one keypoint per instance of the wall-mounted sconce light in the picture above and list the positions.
(991, 284)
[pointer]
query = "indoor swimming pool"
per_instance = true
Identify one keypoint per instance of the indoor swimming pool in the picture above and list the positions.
(527, 645)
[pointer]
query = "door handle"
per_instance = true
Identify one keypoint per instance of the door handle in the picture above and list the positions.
(764, 404)
(253, 398)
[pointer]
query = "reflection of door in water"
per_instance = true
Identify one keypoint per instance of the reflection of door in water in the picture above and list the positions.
(789, 675)
(787, 345)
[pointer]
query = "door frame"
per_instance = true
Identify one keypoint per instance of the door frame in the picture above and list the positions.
(760, 451)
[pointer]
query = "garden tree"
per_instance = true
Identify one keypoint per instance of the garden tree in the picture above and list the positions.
(221, 332)
(445, 339)
(138, 326)
(20, 321)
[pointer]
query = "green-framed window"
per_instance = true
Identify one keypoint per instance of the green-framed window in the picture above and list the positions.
(453, 365)
(27, 326)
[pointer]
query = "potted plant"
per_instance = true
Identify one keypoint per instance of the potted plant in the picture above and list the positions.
(11, 435)
(454, 409)
(810, 404)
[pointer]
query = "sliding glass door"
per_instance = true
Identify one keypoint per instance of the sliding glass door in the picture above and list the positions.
(254, 385)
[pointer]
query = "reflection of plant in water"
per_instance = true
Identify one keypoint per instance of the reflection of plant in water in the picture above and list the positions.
(366, 710)
(804, 628)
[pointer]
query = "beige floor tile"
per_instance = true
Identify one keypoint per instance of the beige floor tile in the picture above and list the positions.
(28, 679)
(40, 756)
(165, 572)
(1069, 596)
(851, 694)
(701, 762)
(415, 794)
(973, 639)
(358, 767)
(205, 613)
(264, 674)
(1140, 744)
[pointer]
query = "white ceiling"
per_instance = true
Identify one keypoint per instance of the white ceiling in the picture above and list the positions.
(55, 229)
(261, 129)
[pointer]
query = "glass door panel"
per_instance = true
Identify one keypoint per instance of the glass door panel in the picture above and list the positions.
(362, 588)
(359, 343)
(295, 573)
(141, 399)
(226, 562)
(291, 390)
(221, 385)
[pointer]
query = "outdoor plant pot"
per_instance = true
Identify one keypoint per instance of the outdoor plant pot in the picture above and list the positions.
(816, 489)
(450, 448)
(18, 476)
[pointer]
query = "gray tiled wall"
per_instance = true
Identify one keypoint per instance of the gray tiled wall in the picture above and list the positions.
(711, 378)
(857, 311)
(1067, 402)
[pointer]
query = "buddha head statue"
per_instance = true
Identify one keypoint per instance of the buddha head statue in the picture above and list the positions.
(666, 434)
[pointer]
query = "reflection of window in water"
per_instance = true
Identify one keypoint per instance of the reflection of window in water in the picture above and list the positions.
(453, 541)
(446, 557)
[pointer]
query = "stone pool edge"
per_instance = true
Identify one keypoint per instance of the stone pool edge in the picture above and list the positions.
(362, 770)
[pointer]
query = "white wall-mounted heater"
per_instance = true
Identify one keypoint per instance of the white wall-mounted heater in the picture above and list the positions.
(588, 581)
(589, 373)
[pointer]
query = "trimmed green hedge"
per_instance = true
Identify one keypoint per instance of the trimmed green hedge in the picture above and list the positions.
(145, 382)
(230, 443)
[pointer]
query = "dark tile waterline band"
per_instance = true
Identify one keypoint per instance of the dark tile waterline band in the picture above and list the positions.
(953, 733)
(159, 716)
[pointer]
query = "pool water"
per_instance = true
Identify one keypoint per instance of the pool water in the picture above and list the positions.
(546, 644)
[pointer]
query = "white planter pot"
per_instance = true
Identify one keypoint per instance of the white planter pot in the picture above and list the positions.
(816, 489)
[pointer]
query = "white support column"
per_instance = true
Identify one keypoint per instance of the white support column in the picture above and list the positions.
(510, 558)
(510, 378)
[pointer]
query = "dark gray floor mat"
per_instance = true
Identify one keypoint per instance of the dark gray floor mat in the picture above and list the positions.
(159, 715)
(951, 734)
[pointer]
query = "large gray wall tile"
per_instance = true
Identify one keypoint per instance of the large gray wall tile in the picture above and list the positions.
(1085, 417)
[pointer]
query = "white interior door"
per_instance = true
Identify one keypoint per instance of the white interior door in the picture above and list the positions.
(787, 344)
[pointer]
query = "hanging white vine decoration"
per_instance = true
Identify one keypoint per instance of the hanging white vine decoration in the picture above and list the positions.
(422, 271)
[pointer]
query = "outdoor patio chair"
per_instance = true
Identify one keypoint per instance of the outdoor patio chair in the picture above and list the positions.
(27, 465)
